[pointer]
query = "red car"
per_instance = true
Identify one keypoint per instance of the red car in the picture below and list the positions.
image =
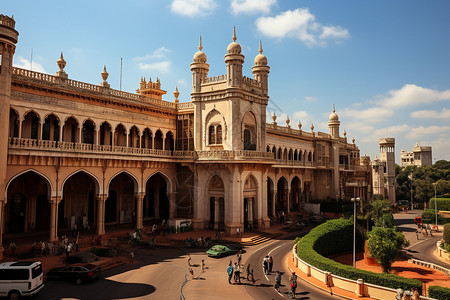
(418, 220)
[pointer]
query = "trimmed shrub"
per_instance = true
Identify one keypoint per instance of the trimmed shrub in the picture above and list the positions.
(442, 203)
(447, 233)
(429, 217)
(438, 292)
(336, 236)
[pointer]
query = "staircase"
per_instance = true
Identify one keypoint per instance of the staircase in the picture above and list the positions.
(261, 238)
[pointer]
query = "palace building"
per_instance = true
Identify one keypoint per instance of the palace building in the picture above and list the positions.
(74, 152)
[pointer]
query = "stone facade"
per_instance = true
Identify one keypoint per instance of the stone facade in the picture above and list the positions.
(85, 154)
(383, 170)
(420, 156)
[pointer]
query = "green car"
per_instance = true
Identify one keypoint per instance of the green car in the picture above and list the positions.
(223, 250)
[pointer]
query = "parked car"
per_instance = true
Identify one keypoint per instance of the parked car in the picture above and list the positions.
(223, 250)
(20, 278)
(418, 220)
(402, 204)
(77, 273)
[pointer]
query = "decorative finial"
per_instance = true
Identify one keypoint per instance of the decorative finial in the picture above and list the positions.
(299, 125)
(61, 64)
(260, 47)
(176, 93)
(288, 121)
(312, 127)
(345, 133)
(104, 73)
(200, 45)
(353, 141)
(234, 33)
(333, 108)
(274, 117)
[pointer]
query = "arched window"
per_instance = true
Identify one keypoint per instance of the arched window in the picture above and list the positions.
(212, 135)
(219, 134)
(247, 139)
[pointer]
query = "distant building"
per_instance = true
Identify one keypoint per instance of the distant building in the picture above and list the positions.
(383, 170)
(419, 156)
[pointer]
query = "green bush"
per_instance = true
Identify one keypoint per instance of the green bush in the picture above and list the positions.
(336, 236)
(438, 292)
(447, 233)
(103, 252)
(387, 220)
(442, 203)
(429, 217)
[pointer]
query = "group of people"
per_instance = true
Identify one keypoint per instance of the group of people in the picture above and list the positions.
(191, 271)
(234, 270)
(267, 264)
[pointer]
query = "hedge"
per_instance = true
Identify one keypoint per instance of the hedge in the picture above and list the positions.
(447, 233)
(336, 236)
(438, 292)
(429, 217)
(442, 203)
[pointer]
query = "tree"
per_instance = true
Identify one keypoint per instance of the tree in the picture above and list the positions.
(384, 244)
(377, 210)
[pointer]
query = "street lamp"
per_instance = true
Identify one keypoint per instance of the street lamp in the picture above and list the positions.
(354, 200)
(435, 204)
(411, 178)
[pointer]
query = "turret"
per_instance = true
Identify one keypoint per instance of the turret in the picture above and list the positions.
(8, 40)
(261, 70)
(199, 68)
(234, 60)
(333, 124)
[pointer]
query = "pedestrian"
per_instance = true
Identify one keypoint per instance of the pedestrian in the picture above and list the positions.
(239, 257)
(68, 249)
(191, 271)
(277, 280)
(12, 247)
(282, 217)
(203, 265)
(189, 260)
(270, 264)
(154, 229)
(237, 273)
(33, 247)
(230, 272)
(293, 283)
(132, 256)
(417, 233)
(266, 264)
(248, 271)
(42, 248)
(133, 216)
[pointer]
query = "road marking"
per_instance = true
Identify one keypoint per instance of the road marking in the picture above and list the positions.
(275, 248)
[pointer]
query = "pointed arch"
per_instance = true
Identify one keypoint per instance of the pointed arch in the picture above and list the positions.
(166, 178)
(131, 175)
(215, 118)
(44, 177)
(98, 189)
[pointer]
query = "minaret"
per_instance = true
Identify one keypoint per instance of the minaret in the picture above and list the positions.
(333, 124)
(387, 155)
(199, 68)
(8, 40)
(261, 70)
(234, 60)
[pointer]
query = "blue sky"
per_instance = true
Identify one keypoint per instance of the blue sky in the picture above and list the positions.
(384, 64)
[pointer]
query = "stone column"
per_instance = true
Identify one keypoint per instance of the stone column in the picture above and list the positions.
(139, 211)
(61, 126)
(2, 209)
(250, 210)
(80, 135)
(127, 138)
(54, 202)
(216, 213)
(172, 205)
(288, 206)
(20, 128)
(274, 196)
(164, 143)
(41, 129)
(101, 214)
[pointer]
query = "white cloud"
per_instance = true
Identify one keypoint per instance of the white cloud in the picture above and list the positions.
(301, 24)
(157, 54)
(23, 63)
(431, 114)
(251, 6)
(182, 82)
(163, 66)
(372, 114)
(192, 8)
(421, 132)
(440, 149)
(311, 98)
(411, 94)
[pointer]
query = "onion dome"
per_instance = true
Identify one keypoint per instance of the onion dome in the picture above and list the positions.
(260, 59)
(334, 117)
(200, 56)
(233, 47)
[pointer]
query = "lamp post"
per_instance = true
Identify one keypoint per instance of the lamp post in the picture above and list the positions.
(411, 178)
(435, 204)
(354, 200)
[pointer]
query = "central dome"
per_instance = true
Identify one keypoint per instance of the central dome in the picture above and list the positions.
(260, 59)
(334, 117)
(200, 56)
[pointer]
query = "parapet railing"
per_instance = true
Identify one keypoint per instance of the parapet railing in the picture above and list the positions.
(214, 79)
(7, 21)
(87, 87)
(233, 154)
(285, 129)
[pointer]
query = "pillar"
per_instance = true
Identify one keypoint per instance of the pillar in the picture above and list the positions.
(2, 209)
(216, 213)
(139, 211)
(101, 214)
(164, 143)
(250, 210)
(274, 196)
(61, 132)
(54, 201)
(360, 288)
(288, 207)
(172, 205)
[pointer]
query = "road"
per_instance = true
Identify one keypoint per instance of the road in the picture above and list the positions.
(159, 274)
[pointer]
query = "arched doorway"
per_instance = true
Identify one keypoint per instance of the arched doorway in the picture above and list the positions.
(147, 139)
(78, 203)
(282, 195)
(51, 128)
(105, 134)
(31, 126)
(295, 198)
(120, 136)
(169, 141)
(134, 138)
(158, 140)
(250, 202)
(14, 123)
(70, 130)
(216, 196)
(121, 199)
(156, 201)
(27, 208)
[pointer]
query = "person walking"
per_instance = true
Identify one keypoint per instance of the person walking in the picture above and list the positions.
(266, 264)
(230, 272)
(293, 281)
(42, 248)
(189, 260)
(248, 271)
(239, 257)
(237, 273)
(277, 280)
(203, 265)
(270, 264)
